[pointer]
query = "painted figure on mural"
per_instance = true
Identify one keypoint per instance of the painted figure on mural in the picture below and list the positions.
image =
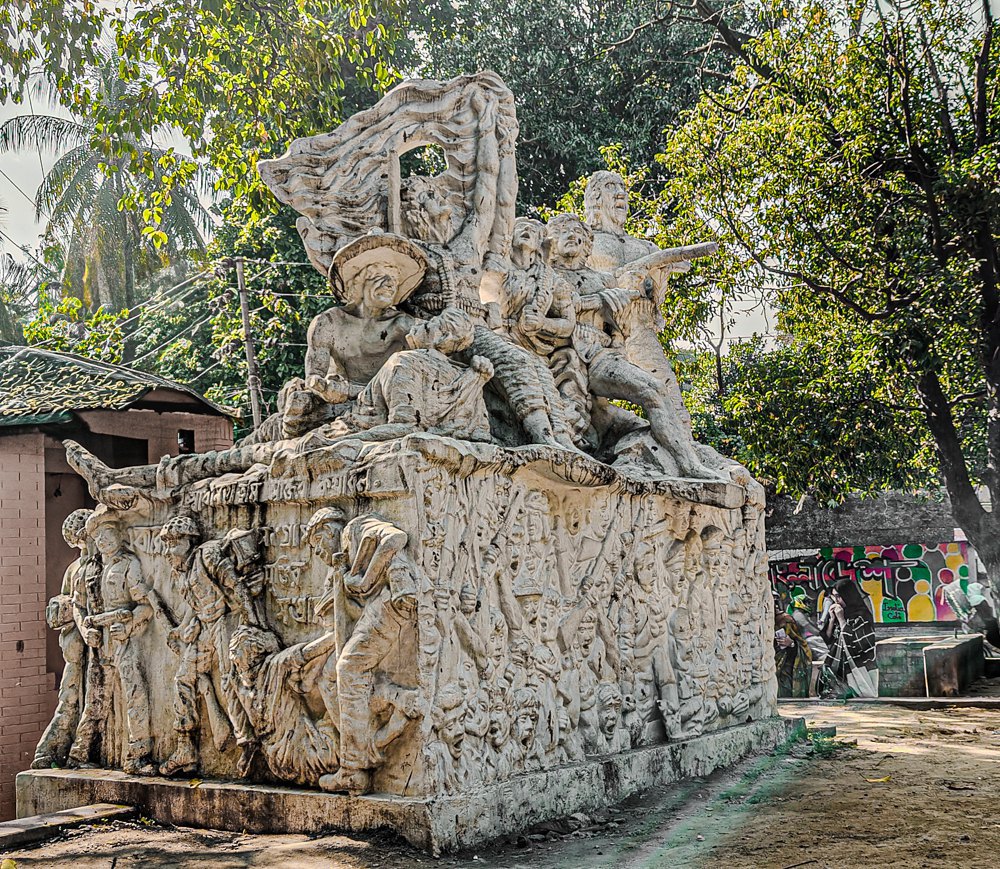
(853, 648)
(792, 657)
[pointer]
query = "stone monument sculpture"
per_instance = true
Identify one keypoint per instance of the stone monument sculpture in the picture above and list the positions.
(448, 565)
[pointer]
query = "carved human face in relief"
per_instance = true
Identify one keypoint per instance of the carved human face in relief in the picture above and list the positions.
(548, 615)
(374, 287)
(527, 720)
(428, 214)
(526, 242)
(499, 721)
(570, 241)
(178, 549)
(610, 712)
(325, 540)
(530, 604)
(452, 730)
(107, 539)
(586, 634)
(477, 722)
(606, 201)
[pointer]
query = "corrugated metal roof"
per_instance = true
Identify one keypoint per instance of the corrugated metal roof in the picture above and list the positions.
(40, 387)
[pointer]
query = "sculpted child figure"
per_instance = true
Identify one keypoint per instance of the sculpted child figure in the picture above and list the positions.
(66, 613)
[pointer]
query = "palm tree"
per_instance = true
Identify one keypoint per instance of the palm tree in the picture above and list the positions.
(106, 252)
(20, 285)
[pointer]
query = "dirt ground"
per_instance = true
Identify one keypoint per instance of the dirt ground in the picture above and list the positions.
(896, 787)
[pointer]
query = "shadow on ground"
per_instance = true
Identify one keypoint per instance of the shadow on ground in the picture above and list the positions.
(896, 787)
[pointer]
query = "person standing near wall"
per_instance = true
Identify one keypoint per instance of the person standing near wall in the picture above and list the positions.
(853, 657)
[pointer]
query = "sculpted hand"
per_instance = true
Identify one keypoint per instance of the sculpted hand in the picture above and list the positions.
(119, 630)
(92, 637)
(332, 390)
(482, 366)
(618, 300)
(174, 641)
(531, 321)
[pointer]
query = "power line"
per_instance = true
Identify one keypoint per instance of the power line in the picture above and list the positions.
(27, 253)
(15, 185)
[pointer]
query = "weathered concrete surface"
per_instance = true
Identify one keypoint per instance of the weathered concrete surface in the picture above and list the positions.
(36, 828)
(953, 664)
(442, 824)
(901, 666)
(890, 518)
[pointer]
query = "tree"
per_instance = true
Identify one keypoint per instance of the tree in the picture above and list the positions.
(805, 419)
(854, 158)
(583, 76)
(195, 335)
(236, 79)
(107, 251)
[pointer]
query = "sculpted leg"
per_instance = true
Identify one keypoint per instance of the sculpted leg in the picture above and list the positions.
(613, 376)
(58, 736)
(96, 709)
(372, 640)
(185, 756)
(135, 694)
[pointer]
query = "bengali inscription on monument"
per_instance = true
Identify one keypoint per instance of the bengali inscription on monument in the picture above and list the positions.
(448, 559)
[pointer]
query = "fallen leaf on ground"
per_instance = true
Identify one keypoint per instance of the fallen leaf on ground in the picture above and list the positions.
(882, 780)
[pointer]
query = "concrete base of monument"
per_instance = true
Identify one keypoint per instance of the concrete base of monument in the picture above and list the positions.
(446, 823)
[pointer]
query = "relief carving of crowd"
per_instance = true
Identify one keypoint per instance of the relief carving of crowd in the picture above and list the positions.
(498, 577)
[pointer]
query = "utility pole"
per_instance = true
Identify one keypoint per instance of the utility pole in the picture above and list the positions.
(254, 378)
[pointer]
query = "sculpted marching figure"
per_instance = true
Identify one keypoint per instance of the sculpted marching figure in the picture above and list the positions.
(115, 630)
(216, 594)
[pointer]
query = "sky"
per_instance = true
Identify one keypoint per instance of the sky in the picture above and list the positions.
(25, 171)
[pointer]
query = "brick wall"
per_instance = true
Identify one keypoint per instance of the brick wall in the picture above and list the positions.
(159, 430)
(27, 696)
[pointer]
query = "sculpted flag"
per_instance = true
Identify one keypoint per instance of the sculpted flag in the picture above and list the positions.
(347, 183)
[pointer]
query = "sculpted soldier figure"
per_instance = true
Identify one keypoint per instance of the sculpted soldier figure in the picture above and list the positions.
(349, 343)
(636, 262)
(115, 631)
(382, 579)
(209, 582)
(610, 374)
(66, 613)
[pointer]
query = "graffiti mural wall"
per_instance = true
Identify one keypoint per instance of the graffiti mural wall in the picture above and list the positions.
(904, 583)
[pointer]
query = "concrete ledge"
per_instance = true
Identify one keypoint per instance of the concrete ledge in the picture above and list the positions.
(36, 828)
(444, 823)
(918, 703)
